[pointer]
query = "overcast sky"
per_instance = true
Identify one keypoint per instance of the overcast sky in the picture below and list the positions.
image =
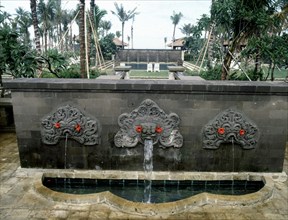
(151, 25)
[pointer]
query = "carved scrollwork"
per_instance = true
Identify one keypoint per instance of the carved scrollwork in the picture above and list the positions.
(68, 121)
(148, 121)
(230, 126)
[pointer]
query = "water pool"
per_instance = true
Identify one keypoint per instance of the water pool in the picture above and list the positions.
(162, 190)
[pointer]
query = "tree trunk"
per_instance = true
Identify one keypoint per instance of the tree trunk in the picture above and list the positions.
(132, 46)
(229, 56)
(82, 39)
(256, 68)
(61, 45)
(272, 71)
(45, 39)
(35, 25)
(89, 38)
(226, 66)
(1, 85)
(269, 70)
(123, 35)
(173, 37)
(211, 40)
(71, 39)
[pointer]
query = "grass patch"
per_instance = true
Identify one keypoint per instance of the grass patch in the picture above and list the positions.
(144, 74)
(279, 73)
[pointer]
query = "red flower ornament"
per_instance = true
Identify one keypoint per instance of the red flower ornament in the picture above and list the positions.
(78, 128)
(242, 132)
(138, 128)
(221, 130)
(158, 129)
(57, 125)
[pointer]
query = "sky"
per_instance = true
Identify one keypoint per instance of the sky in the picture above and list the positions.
(151, 25)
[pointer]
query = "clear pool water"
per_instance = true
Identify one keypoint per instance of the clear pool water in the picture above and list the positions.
(162, 190)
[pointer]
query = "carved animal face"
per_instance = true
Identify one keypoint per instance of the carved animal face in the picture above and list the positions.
(148, 131)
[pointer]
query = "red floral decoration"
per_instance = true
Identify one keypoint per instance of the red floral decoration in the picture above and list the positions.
(242, 132)
(78, 128)
(158, 129)
(138, 128)
(221, 130)
(57, 125)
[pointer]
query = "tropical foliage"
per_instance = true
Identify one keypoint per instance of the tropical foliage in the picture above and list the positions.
(16, 59)
(242, 34)
(241, 21)
(252, 34)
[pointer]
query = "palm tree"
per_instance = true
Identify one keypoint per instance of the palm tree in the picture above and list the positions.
(70, 16)
(118, 34)
(187, 29)
(176, 17)
(66, 18)
(58, 21)
(123, 16)
(105, 26)
(98, 15)
(132, 32)
(47, 15)
(128, 39)
(82, 39)
(89, 29)
(24, 19)
(282, 17)
(165, 41)
(33, 7)
(204, 24)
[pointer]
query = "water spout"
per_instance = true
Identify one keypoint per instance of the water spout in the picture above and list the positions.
(148, 168)
(233, 155)
(65, 151)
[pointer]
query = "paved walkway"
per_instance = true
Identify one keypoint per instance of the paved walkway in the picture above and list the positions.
(18, 200)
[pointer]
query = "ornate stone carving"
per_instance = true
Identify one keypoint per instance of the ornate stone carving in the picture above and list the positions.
(148, 121)
(69, 121)
(230, 126)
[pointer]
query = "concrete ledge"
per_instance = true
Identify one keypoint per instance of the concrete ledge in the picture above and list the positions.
(168, 86)
(5, 102)
(156, 175)
(176, 69)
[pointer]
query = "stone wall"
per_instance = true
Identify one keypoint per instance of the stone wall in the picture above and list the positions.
(6, 115)
(198, 104)
(149, 55)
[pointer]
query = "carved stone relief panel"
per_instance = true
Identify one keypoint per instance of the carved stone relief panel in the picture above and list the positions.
(230, 126)
(148, 121)
(69, 122)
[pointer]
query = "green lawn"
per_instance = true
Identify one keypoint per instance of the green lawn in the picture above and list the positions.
(163, 74)
(279, 73)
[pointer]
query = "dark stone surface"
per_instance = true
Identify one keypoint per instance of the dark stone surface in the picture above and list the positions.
(195, 102)
(148, 55)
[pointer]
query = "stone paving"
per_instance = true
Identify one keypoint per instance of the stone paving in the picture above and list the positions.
(18, 199)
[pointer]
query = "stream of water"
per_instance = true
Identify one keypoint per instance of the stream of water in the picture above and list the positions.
(233, 155)
(65, 151)
(148, 168)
